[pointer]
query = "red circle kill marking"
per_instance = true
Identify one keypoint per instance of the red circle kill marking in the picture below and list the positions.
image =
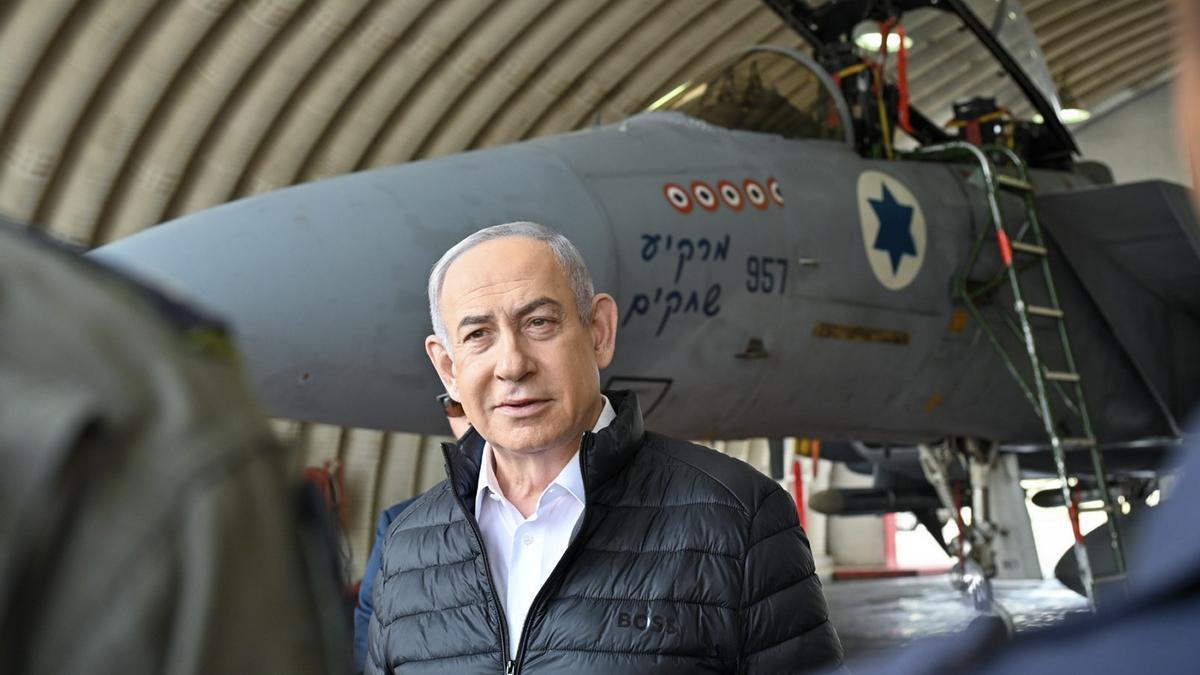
(678, 197)
(776, 193)
(755, 194)
(705, 197)
(730, 195)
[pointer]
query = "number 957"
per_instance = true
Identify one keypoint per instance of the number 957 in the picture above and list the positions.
(766, 275)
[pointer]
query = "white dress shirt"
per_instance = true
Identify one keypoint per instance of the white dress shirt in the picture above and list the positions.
(523, 551)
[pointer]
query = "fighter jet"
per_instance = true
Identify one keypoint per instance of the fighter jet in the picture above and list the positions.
(785, 260)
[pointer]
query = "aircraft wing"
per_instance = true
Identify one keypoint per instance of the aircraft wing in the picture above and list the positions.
(1136, 248)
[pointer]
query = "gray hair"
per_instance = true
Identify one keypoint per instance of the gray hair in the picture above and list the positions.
(564, 251)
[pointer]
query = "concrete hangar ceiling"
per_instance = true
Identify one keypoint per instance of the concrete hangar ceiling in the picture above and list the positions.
(119, 114)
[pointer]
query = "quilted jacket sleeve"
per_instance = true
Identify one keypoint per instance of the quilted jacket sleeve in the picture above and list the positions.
(784, 618)
(375, 661)
(366, 594)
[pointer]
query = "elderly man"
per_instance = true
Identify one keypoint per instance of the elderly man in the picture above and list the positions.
(567, 538)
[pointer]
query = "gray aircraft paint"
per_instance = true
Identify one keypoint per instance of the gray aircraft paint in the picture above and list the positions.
(325, 286)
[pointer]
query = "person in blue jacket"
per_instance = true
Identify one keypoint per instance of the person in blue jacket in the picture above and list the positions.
(362, 611)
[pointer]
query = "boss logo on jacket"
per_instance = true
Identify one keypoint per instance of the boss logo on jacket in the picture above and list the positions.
(662, 624)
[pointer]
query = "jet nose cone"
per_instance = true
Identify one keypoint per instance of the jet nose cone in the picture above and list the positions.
(324, 284)
(329, 313)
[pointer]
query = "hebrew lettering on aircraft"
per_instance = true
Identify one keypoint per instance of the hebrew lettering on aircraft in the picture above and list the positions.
(700, 249)
(669, 303)
(764, 274)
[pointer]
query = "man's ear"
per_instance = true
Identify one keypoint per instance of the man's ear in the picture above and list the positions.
(443, 363)
(604, 328)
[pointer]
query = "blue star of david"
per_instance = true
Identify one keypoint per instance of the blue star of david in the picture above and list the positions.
(895, 228)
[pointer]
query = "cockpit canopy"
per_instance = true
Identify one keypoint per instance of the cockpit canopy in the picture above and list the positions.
(768, 90)
(965, 61)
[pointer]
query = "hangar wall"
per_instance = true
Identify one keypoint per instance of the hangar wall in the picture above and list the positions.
(1137, 139)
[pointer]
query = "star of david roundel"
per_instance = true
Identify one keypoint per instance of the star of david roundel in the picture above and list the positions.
(893, 228)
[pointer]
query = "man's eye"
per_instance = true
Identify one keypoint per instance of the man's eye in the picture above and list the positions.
(540, 322)
(474, 335)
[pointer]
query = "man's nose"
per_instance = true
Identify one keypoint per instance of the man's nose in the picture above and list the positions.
(514, 363)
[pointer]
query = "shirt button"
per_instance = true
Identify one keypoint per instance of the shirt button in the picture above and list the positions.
(527, 540)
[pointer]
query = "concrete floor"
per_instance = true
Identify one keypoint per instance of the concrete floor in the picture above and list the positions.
(875, 616)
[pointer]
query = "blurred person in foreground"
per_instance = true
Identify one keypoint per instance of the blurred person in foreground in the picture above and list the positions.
(459, 425)
(1154, 629)
(147, 525)
(567, 539)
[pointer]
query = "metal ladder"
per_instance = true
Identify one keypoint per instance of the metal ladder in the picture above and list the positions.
(1019, 254)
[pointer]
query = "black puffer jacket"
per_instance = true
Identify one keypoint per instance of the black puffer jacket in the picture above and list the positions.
(686, 561)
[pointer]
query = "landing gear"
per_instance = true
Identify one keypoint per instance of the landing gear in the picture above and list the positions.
(983, 548)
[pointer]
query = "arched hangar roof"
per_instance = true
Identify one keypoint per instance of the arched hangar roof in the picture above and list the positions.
(119, 114)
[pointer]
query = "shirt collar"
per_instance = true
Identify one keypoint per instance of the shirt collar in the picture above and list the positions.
(570, 478)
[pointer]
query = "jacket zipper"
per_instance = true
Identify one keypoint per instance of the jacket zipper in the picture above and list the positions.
(560, 569)
(510, 665)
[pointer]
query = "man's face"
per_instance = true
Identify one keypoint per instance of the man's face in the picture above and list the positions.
(523, 365)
